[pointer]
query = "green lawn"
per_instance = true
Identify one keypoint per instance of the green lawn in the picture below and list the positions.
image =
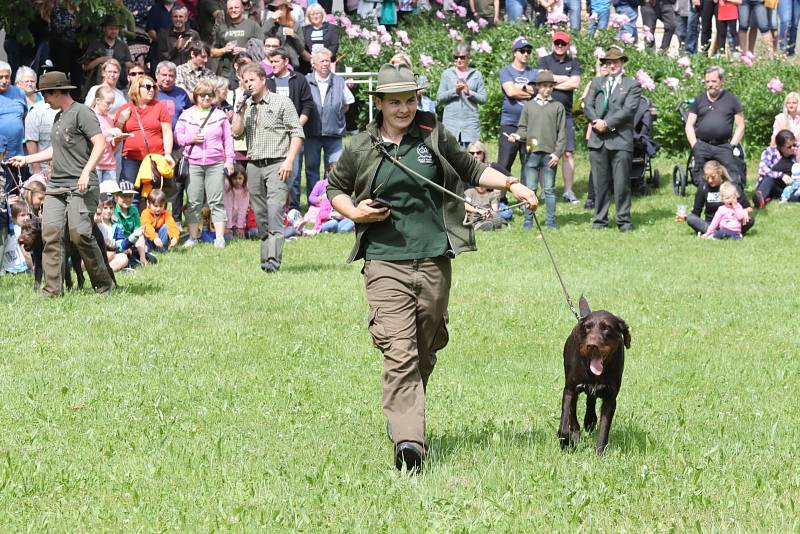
(206, 395)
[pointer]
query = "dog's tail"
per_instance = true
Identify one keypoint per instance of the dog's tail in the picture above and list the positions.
(583, 306)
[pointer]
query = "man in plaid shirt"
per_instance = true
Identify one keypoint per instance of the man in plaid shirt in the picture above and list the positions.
(274, 138)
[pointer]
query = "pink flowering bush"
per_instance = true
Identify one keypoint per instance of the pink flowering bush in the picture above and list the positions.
(684, 62)
(645, 80)
(775, 85)
(374, 49)
(473, 26)
(426, 61)
(403, 36)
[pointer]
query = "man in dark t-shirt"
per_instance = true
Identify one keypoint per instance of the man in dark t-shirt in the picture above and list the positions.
(715, 127)
(232, 37)
(73, 190)
(567, 74)
(109, 46)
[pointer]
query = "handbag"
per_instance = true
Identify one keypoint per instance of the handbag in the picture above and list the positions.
(182, 172)
(158, 180)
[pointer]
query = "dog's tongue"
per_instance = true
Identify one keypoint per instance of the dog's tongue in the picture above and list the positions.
(596, 365)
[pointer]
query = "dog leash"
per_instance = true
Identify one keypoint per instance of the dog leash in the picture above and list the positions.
(555, 268)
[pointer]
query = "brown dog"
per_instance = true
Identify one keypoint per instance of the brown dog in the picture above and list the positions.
(31, 240)
(594, 357)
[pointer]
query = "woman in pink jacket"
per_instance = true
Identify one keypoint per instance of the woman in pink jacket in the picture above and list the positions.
(205, 134)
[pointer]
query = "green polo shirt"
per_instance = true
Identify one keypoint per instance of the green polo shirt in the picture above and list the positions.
(415, 228)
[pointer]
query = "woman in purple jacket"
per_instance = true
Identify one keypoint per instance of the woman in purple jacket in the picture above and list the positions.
(205, 134)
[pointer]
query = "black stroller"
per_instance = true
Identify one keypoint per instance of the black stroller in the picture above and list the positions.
(644, 149)
(681, 175)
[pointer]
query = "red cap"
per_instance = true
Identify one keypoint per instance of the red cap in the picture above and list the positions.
(561, 36)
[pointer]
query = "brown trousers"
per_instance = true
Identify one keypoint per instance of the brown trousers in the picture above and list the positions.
(408, 323)
(75, 212)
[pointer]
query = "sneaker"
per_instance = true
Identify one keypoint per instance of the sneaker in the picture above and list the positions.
(190, 242)
(151, 259)
(570, 197)
(589, 205)
(219, 242)
(528, 225)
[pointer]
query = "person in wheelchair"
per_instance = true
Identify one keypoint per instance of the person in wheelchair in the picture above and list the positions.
(715, 127)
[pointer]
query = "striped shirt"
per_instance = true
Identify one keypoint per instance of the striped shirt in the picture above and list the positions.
(269, 125)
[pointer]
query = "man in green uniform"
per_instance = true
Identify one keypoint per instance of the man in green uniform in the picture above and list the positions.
(73, 189)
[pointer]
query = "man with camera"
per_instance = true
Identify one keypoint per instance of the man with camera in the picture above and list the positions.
(174, 44)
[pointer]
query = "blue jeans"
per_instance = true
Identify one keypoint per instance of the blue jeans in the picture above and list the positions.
(574, 10)
(314, 145)
(536, 163)
(789, 13)
(163, 235)
(129, 170)
(752, 13)
(341, 226)
(515, 9)
(294, 191)
(600, 23)
(106, 175)
(633, 16)
(692, 27)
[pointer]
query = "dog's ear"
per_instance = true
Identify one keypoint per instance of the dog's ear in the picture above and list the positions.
(583, 306)
(626, 333)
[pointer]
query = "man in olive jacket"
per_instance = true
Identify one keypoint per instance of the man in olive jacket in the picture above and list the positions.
(610, 108)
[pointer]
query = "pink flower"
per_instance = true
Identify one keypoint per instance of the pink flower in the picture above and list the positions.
(346, 23)
(775, 85)
(381, 29)
(747, 60)
(460, 10)
(374, 49)
(672, 83)
(386, 39)
(618, 21)
(688, 72)
(626, 38)
(482, 22)
(645, 80)
(331, 19)
(440, 15)
(557, 18)
(485, 47)
(599, 53)
(425, 61)
(403, 36)
(353, 32)
(648, 35)
(684, 62)
(365, 33)
(541, 51)
(750, 54)
(472, 25)
(455, 35)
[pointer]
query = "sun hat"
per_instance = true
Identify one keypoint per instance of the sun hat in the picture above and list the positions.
(126, 188)
(521, 42)
(395, 79)
(545, 76)
(561, 36)
(614, 52)
(54, 80)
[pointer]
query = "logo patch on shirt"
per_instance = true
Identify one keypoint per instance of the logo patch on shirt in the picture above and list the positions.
(713, 197)
(424, 155)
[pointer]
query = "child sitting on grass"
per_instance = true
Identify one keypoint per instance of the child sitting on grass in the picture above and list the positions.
(793, 188)
(102, 218)
(542, 125)
(128, 232)
(729, 218)
(160, 231)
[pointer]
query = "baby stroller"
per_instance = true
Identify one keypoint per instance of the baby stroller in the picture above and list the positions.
(681, 175)
(644, 149)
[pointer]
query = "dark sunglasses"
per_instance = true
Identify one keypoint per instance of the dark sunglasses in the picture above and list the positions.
(525, 50)
(559, 43)
(147, 86)
(459, 57)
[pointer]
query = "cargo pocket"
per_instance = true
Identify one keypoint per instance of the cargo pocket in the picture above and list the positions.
(442, 336)
(376, 330)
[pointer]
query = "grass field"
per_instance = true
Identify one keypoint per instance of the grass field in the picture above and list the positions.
(205, 395)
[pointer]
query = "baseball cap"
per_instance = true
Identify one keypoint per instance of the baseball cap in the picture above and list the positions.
(521, 42)
(109, 187)
(126, 188)
(561, 36)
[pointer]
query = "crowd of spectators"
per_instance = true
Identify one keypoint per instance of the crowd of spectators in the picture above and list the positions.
(164, 80)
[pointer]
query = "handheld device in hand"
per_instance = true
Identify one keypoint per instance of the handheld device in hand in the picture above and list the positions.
(379, 202)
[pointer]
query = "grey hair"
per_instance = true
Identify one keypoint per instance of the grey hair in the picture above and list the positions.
(25, 70)
(461, 50)
(715, 68)
(320, 49)
(5, 66)
(169, 65)
(220, 83)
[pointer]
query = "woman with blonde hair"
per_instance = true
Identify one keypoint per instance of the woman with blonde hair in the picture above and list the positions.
(205, 134)
(148, 122)
(110, 75)
(319, 33)
(789, 118)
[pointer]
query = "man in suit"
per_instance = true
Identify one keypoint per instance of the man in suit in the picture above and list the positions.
(610, 108)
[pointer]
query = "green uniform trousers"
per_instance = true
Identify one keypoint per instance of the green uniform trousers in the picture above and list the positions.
(75, 212)
(408, 323)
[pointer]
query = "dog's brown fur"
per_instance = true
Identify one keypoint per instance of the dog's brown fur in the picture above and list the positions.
(594, 358)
